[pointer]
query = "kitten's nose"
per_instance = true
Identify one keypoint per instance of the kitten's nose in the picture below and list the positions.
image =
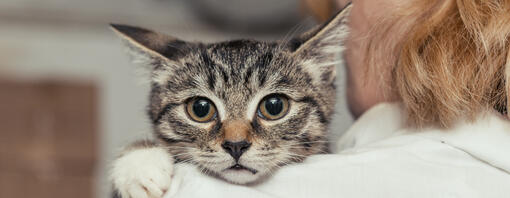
(236, 149)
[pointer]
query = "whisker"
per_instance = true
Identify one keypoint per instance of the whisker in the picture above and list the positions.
(291, 34)
(184, 147)
(308, 142)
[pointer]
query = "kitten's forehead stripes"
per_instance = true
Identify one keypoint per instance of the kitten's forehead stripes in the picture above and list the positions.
(262, 63)
(211, 80)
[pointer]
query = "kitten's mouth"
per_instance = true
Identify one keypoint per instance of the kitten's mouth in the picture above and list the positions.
(239, 167)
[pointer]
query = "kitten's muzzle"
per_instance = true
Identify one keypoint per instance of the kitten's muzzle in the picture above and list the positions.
(236, 149)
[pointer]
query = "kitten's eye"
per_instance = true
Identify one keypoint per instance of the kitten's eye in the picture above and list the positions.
(201, 109)
(273, 107)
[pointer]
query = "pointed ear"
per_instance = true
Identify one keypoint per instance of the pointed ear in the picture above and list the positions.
(148, 47)
(321, 49)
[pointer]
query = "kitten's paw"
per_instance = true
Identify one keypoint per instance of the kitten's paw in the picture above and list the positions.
(143, 173)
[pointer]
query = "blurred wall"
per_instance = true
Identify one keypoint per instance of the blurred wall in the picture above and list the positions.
(48, 142)
(70, 40)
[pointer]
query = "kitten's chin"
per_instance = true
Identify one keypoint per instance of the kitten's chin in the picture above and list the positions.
(240, 176)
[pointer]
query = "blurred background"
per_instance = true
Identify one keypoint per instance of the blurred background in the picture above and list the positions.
(69, 97)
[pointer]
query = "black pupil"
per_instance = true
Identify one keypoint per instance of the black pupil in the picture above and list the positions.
(201, 108)
(274, 105)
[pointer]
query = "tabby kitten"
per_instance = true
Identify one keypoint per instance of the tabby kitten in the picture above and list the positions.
(237, 109)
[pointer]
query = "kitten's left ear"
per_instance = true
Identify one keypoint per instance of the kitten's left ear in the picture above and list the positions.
(320, 49)
(150, 48)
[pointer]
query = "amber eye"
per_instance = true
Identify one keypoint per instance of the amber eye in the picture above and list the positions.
(273, 107)
(201, 109)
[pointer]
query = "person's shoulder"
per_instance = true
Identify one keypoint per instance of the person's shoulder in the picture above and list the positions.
(379, 122)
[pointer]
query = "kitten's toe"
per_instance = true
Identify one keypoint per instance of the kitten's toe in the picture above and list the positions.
(155, 189)
(136, 191)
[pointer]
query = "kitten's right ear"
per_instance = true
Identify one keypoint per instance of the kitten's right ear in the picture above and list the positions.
(148, 47)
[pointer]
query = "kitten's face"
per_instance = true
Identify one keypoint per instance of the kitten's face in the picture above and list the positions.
(241, 109)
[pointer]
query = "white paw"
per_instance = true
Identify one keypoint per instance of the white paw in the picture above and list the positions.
(143, 173)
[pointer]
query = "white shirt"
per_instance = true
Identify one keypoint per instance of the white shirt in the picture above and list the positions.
(379, 157)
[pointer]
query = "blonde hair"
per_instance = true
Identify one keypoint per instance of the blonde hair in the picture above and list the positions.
(453, 60)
